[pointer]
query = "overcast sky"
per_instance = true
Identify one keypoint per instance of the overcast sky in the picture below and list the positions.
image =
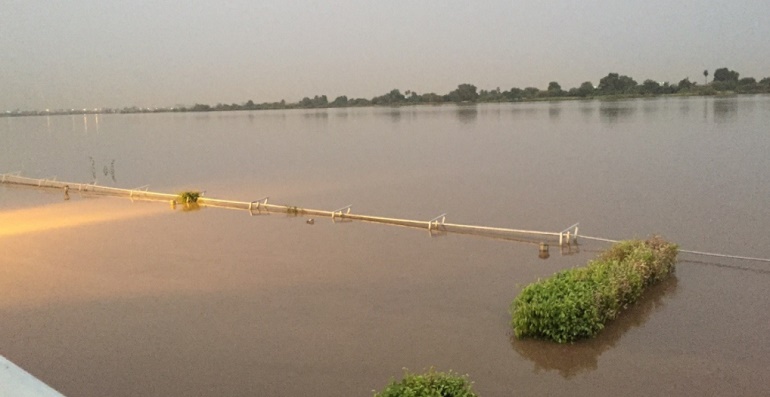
(97, 53)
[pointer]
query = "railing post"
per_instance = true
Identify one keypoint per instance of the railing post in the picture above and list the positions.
(568, 234)
(259, 202)
(430, 222)
(338, 212)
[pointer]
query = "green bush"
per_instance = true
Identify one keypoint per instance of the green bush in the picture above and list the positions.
(575, 304)
(188, 197)
(429, 384)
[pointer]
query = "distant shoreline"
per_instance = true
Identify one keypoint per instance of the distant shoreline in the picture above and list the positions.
(611, 87)
(397, 105)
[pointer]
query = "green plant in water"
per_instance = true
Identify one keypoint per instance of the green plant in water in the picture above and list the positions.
(294, 211)
(188, 197)
(189, 200)
(429, 384)
(576, 303)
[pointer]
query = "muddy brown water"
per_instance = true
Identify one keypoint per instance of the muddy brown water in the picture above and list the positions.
(105, 297)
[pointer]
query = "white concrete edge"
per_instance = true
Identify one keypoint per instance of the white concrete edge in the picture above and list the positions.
(16, 382)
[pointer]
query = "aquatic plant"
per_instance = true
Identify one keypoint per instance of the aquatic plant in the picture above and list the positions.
(188, 197)
(294, 210)
(429, 384)
(576, 303)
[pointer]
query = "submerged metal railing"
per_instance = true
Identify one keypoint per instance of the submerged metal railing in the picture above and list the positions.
(567, 238)
(261, 206)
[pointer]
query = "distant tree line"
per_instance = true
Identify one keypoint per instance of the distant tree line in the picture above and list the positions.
(614, 85)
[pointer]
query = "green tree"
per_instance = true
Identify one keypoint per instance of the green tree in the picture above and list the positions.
(412, 97)
(305, 103)
(200, 108)
(464, 93)
(554, 89)
(359, 102)
(667, 88)
(431, 97)
(725, 79)
(650, 87)
(491, 96)
(320, 101)
(726, 75)
(340, 101)
(685, 84)
(531, 92)
(394, 97)
(616, 84)
(608, 84)
(585, 89)
(748, 85)
(514, 94)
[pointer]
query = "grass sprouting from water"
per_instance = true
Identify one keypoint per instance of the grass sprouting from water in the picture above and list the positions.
(429, 384)
(576, 303)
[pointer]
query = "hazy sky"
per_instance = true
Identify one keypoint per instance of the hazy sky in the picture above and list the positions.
(94, 53)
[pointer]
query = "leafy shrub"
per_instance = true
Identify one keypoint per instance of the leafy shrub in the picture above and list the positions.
(429, 384)
(575, 304)
(188, 197)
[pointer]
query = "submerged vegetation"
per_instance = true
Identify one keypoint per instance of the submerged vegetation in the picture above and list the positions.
(294, 210)
(614, 85)
(575, 304)
(188, 197)
(429, 384)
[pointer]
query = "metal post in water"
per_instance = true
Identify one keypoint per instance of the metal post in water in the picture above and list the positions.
(341, 212)
(262, 201)
(567, 231)
(544, 251)
(430, 222)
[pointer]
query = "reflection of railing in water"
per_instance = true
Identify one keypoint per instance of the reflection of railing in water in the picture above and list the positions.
(572, 359)
(434, 226)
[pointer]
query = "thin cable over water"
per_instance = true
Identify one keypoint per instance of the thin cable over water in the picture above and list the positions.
(747, 258)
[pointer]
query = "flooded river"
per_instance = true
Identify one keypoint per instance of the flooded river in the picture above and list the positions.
(108, 297)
